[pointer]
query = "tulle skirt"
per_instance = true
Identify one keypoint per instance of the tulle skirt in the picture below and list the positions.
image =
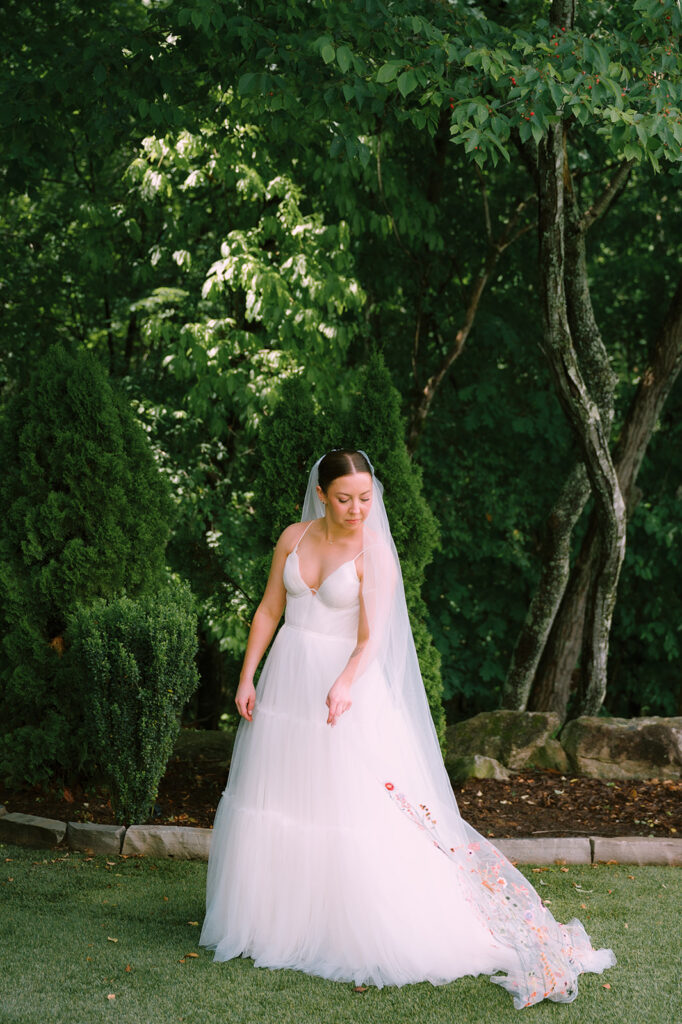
(312, 866)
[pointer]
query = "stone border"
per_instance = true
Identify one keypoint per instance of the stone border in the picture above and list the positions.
(184, 843)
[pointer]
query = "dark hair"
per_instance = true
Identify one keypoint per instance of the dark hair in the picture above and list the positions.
(340, 462)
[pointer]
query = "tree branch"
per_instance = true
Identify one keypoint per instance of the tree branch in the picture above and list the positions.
(428, 392)
(601, 205)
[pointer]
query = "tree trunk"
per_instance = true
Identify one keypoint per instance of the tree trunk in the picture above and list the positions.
(528, 667)
(555, 676)
(554, 574)
(580, 408)
(563, 648)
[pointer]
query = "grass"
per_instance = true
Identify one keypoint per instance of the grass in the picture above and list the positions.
(59, 913)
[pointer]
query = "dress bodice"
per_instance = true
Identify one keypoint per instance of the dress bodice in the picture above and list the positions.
(332, 609)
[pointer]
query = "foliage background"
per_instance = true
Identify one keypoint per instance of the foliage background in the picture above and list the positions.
(219, 205)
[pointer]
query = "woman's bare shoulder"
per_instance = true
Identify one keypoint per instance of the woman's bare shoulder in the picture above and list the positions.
(291, 534)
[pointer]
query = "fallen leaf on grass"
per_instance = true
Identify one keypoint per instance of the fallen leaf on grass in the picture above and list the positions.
(563, 869)
(109, 939)
(360, 988)
(606, 985)
(193, 956)
(583, 906)
(193, 922)
(111, 996)
(128, 968)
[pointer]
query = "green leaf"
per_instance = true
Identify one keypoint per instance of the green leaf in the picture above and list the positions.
(327, 53)
(344, 58)
(407, 82)
(556, 93)
(387, 72)
(364, 154)
(536, 131)
(247, 83)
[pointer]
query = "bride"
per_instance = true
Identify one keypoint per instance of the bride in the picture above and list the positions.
(338, 848)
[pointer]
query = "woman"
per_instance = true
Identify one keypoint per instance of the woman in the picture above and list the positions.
(338, 848)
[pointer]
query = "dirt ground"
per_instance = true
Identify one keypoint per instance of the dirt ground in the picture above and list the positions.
(531, 803)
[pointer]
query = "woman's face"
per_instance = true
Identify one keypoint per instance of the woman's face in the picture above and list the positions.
(348, 499)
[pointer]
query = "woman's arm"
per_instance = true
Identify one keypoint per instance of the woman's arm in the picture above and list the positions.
(265, 622)
(338, 698)
(378, 582)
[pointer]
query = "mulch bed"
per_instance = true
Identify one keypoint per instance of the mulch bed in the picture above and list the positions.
(531, 803)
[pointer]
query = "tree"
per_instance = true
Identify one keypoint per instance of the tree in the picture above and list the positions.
(87, 515)
(231, 197)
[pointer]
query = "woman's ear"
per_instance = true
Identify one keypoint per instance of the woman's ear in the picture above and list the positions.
(320, 493)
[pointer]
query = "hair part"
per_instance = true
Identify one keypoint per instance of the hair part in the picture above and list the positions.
(341, 462)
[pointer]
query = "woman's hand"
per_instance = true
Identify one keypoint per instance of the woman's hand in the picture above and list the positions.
(246, 699)
(338, 700)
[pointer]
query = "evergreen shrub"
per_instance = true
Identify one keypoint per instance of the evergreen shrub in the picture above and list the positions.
(374, 423)
(138, 662)
(366, 416)
(85, 514)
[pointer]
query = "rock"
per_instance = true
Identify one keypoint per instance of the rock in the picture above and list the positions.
(475, 766)
(91, 838)
(182, 843)
(550, 755)
(638, 850)
(546, 851)
(624, 748)
(515, 738)
(31, 830)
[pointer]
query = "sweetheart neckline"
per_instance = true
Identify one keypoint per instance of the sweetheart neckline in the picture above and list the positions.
(328, 576)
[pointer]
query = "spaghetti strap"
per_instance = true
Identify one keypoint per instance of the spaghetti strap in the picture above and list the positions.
(303, 534)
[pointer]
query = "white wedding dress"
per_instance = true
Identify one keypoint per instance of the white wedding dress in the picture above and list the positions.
(320, 862)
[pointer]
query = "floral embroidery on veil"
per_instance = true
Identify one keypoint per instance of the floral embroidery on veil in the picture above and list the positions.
(551, 955)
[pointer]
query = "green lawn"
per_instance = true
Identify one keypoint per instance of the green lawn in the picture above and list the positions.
(59, 913)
